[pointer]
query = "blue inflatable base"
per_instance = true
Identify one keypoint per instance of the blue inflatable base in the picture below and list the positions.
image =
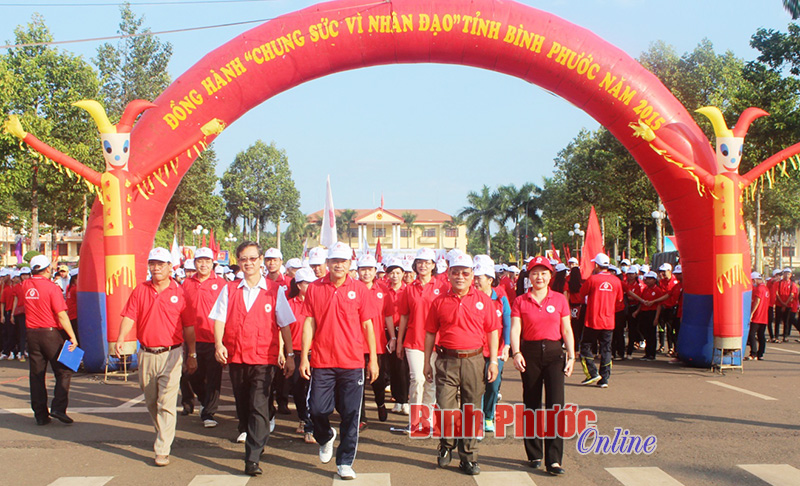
(696, 335)
(92, 335)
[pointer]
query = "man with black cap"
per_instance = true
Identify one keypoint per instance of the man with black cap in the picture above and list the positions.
(603, 292)
(47, 323)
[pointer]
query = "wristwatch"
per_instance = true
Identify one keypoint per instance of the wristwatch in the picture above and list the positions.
(193, 355)
(290, 355)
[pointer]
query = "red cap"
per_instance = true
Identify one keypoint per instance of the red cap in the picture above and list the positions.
(540, 261)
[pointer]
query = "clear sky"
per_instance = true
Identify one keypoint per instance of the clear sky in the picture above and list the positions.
(421, 135)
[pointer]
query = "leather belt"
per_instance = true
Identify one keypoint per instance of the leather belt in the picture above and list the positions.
(161, 349)
(458, 353)
(43, 329)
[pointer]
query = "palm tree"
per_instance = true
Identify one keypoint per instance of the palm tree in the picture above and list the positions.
(515, 204)
(343, 222)
(408, 219)
(453, 224)
(482, 210)
(793, 7)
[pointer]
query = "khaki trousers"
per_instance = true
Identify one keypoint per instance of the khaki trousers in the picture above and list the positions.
(159, 379)
(464, 375)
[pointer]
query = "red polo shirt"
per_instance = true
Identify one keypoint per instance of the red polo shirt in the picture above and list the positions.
(415, 303)
(541, 320)
(604, 292)
(200, 299)
(785, 290)
(17, 289)
(338, 312)
(650, 293)
(43, 301)
(72, 302)
(394, 298)
(761, 315)
(379, 305)
(298, 309)
(772, 286)
(7, 297)
(667, 285)
(462, 323)
(509, 288)
(157, 315)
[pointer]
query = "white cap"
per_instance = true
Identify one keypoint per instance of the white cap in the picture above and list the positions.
(189, 264)
(513, 268)
(160, 255)
(787, 269)
(441, 265)
(572, 260)
(755, 275)
(25, 271)
(625, 261)
(602, 259)
(40, 262)
(425, 254)
(204, 253)
(777, 271)
(632, 270)
(394, 262)
(219, 270)
(483, 267)
(665, 267)
(239, 274)
(560, 267)
(461, 260)
(650, 275)
(4, 272)
(407, 267)
(340, 250)
(15, 273)
(180, 273)
(304, 274)
(677, 270)
(73, 272)
(615, 269)
(367, 261)
(294, 263)
(273, 253)
(317, 255)
(644, 268)
(452, 254)
(553, 262)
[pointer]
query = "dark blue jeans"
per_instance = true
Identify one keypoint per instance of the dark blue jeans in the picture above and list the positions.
(590, 338)
(343, 389)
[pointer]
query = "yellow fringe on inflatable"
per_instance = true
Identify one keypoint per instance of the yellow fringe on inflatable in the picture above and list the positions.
(120, 268)
(730, 271)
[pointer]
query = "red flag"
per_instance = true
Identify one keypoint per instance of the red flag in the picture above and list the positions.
(381, 202)
(566, 252)
(203, 244)
(55, 255)
(378, 256)
(623, 254)
(555, 252)
(592, 245)
(213, 245)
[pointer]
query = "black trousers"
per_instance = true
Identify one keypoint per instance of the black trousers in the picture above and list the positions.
(634, 335)
(44, 347)
(378, 386)
(22, 333)
(782, 316)
(9, 334)
(757, 338)
(299, 387)
(577, 312)
(648, 330)
(399, 376)
(251, 388)
(770, 320)
(590, 338)
(544, 366)
(205, 382)
(618, 340)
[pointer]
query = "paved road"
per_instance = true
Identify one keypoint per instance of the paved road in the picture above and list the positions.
(737, 428)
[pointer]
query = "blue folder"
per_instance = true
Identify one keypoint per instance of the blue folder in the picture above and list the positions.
(70, 359)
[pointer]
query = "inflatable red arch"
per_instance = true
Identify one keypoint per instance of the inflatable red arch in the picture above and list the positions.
(506, 37)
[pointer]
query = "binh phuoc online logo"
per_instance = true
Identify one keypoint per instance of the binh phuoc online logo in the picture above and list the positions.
(566, 422)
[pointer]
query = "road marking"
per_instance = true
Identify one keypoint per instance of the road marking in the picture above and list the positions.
(101, 410)
(642, 476)
(741, 390)
(774, 474)
(219, 480)
(504, 478)
(133, 401)
(374, 479)
(82, 481)
(773, 348)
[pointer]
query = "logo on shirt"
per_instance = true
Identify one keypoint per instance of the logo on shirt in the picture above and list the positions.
(174, 299)
(32, 294)
(479, 305)
(351, 295)
(380, 295)
(214, 287)
(550, 309)
(499, 314)
(606, 287)
(435, 291)
(268, 308)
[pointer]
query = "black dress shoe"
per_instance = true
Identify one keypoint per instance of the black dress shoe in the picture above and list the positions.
(252, 468)
(555, 469)
(470, 468)
(61, 416)
(188, 409)
(535, 463)
(42, 421)
(444, 457)
(383, 414)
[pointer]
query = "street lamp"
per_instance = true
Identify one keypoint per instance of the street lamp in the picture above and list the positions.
(540, 239)
(577, 232)
(659, 215)
(230, 239)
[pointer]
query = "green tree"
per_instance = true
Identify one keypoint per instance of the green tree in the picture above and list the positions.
(454, 225)
(481, 211)
(408, 221)
(344, 220)
(43, 83)
(136, 68)
(516, 204)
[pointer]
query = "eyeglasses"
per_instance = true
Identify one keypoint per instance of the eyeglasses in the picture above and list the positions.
(463, 273)
(248, 259)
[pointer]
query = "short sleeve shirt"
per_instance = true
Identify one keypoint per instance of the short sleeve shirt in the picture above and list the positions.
(463, 322)
(415, 302)
(541, 320)
(761, 314)
(43, 301)
(157, 314)
(603, 292)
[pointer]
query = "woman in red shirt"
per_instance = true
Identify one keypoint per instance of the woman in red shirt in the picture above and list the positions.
(398, 367)
(648, 313)
(540, 324)
(298, 384)
(577, 305)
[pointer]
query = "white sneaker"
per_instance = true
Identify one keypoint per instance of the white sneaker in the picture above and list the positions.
(398, 407)
(406, 409)
(326, 451)
(210, 423)
(242, 437)
(346, 472)
(272, 425)
(10, 355)
(3, 356)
